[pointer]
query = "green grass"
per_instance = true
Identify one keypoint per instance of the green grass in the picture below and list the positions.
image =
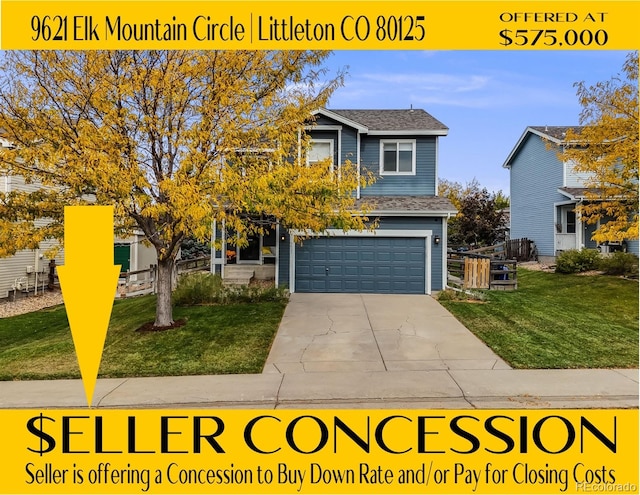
(234, 338)
(558, 321)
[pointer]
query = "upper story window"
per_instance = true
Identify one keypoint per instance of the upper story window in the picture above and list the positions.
(398, 156)
(319, 150)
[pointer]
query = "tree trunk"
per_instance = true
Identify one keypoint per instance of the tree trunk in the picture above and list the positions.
(164, 311)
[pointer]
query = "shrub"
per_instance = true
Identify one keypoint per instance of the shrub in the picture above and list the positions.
(460, 295)
(197, 288)
(574, 261)
(205, 288)
(620, 263)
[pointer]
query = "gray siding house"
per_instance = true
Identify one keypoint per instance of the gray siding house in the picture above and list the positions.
(27, 271)
(544, 193)
(407, 252)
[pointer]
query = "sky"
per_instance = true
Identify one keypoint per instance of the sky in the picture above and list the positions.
(486, 98)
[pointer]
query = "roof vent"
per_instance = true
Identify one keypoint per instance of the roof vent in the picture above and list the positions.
(411, 108)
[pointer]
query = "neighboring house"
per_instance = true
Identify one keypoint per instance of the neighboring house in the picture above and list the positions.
(29, 268)
(544, 194)
(407, 252)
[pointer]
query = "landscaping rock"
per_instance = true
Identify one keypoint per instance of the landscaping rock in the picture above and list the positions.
(30, 304)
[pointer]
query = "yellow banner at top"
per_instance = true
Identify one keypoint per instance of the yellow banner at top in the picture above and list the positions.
(321, 24)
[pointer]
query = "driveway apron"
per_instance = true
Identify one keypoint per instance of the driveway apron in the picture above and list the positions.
(374, 332)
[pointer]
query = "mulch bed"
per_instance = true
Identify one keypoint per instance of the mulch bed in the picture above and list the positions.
(149, 326)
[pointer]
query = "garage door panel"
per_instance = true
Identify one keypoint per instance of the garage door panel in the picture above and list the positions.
(317, 270)
(361, 264)
(367, 271)
(350, 286)
(351, 271)
(384, 257)
(348, 242)
(335, 256)
(367, 255)
(383, 271)
(318, 255)
(350, 255)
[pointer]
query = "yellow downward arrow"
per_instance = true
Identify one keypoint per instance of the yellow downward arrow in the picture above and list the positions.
(88, 280)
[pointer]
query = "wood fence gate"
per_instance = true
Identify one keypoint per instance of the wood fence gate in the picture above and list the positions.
(477, 273)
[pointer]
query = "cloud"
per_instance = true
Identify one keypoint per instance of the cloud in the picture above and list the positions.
(432, 82)
(474, 90)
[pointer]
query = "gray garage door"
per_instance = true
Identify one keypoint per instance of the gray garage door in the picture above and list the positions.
(361, 264)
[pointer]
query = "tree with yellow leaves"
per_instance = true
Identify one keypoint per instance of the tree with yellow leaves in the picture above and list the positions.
(607, 149)
(173, 139)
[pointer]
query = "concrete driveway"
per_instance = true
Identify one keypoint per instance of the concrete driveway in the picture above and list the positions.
(374, 332)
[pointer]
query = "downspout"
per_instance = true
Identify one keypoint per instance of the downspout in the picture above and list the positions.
(277, 253)
(445, 268)
(436, 166)
(212, 254)
(358, 163)
(224, 249)
(580, 228)
(339, 154)
(445, 275)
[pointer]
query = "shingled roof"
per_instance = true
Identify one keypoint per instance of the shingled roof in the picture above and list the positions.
(556, 132)
(407, 205)
(408, 120)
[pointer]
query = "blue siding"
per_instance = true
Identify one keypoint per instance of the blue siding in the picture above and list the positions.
(322, 120)
(633, 247)
(349, 145)
(536, 174)
(423, 183)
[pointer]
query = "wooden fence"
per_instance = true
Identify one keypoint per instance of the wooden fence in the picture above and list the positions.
(483, 273)
(141, 282)
(476, 273)
(520, 250)
(193, 265)
(137, 282)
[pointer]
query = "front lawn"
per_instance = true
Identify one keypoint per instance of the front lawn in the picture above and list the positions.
(558, 321)
(233, 338)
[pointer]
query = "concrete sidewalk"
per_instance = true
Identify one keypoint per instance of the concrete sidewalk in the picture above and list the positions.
(438, 389)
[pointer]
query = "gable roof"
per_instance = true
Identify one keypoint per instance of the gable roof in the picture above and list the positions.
(390, 122)
(555, 134)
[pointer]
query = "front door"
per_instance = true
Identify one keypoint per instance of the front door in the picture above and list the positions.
(566, 234)
(250, 254)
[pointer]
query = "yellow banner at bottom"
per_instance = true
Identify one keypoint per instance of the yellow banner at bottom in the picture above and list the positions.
(297, 451)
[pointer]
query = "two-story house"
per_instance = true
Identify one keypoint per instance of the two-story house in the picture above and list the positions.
(544, 194)
(407, 252)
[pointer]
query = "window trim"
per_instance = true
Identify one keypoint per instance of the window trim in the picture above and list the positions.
(398, 142)
(331, 150)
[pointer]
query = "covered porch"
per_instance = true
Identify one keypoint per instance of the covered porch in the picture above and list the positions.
(240, 265)
(571, 231)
